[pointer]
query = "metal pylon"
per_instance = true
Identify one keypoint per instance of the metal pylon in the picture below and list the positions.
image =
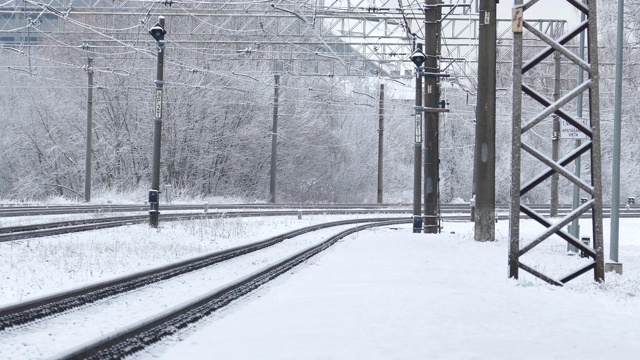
(591, 146)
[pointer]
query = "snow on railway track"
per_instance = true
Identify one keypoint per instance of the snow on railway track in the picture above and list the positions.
(129, 310)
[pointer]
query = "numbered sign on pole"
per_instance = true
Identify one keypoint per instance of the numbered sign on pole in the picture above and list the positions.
(516, 20)
(158, 103)
(418, 127)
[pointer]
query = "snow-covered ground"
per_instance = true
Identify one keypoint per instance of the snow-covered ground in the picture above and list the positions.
(381, 294)
(32, 268)
(390, 294)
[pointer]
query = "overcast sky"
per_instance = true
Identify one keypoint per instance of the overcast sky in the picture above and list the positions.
(544, 9)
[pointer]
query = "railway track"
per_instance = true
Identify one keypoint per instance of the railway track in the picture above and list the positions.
(33, 317)
(16, 211)
(22, 317)
(12, 211)
(458, 212)
(20, 232)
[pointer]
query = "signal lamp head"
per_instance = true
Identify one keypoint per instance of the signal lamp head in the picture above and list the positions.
(418, 57)
(157, 32)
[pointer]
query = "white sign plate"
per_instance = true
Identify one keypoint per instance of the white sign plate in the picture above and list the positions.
(418, 128)
(158, 104)
(568, 131)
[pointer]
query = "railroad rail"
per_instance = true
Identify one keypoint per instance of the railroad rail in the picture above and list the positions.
(8, 210)
(136, 336)
(28, 210)
(20, 232)
(24, 210)
(28, 311)
(458, 212)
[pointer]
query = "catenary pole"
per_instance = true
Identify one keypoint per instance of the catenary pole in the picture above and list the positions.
(574, 228)
(87, 163)
(154, 199)
(596, 166)
(417, 153)
(617, 124)
(274, 140)
(516, 126)
(380, 143)
(431, 99)
(484, 159)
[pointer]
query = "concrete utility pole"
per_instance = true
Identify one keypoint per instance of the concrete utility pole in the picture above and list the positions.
(87, 162)
(274, 140)
(517, 26)
(485, 157)
(433, 14)
(157, 32)
(417, 165)
(380, 142)
(596, 166)
(555, 140)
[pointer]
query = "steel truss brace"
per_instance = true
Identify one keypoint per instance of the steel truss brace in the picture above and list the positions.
(520, 187)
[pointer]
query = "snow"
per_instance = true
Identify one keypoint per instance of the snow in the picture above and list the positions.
(391, 294)
(376, 298)
(380, 294)
(144, 303)
(36, 267)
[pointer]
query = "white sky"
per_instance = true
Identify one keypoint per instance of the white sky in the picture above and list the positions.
(544, 9)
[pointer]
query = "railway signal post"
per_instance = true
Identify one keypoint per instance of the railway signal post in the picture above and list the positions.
(157, 32)
(418, 58)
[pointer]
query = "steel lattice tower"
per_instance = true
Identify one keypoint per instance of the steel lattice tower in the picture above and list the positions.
(591, 147)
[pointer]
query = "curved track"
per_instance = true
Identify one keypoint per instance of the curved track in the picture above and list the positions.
(10, 233)
(18, 319)
(18, 210)
(25, 312)
(63, 227)
(134, 338)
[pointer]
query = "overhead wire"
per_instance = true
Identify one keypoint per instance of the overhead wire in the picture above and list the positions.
(133, 49)
(466, 57)
(97, 30)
